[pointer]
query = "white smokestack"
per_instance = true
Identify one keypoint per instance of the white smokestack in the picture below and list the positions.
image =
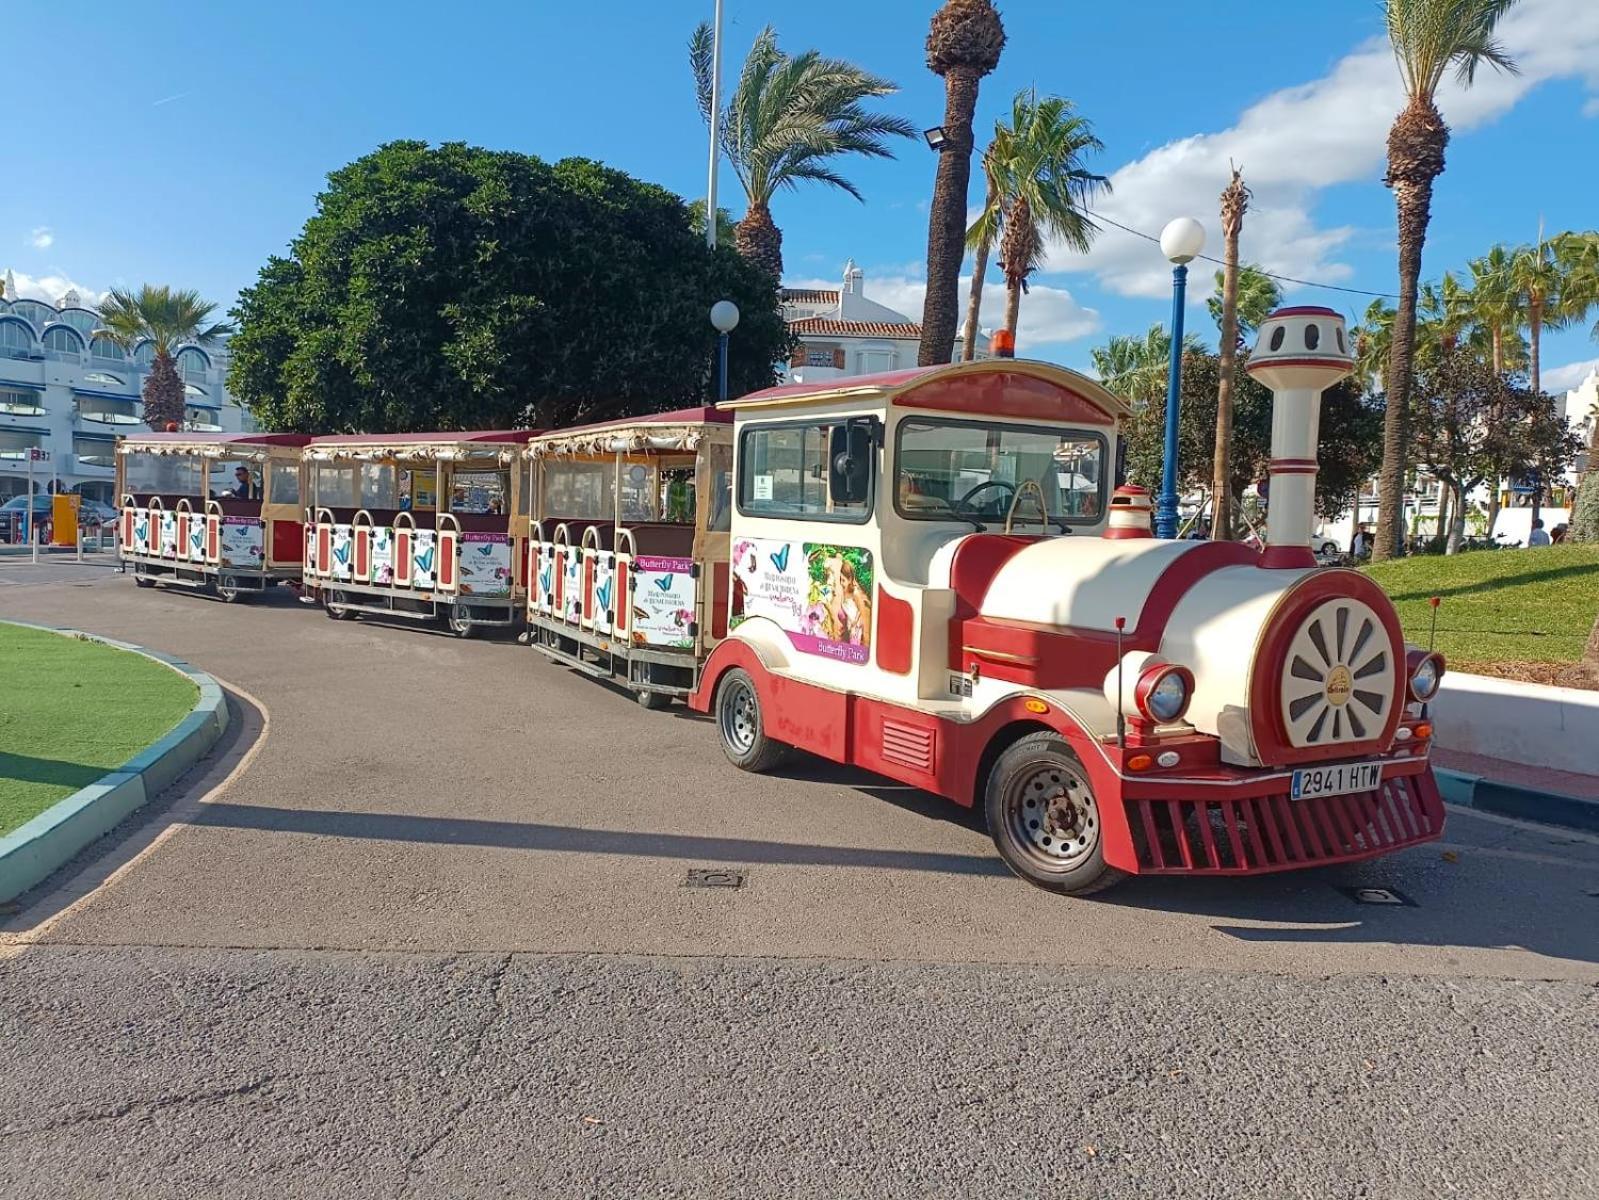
(1299, 353)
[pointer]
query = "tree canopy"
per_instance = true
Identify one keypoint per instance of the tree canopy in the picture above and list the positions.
(454, 287)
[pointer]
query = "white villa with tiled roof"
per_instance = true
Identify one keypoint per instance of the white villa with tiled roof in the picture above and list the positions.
(843, 333)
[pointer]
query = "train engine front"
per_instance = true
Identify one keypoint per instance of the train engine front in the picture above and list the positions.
(1226, 710)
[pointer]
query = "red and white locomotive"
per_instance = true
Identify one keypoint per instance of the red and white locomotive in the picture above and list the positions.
(931, 578)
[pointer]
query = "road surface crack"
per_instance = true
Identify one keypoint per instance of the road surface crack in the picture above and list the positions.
(146, 1107)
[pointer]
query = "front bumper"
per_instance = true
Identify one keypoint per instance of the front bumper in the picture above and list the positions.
(1195, 830)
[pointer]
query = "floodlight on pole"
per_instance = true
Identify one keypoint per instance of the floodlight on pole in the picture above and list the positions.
(937, 139)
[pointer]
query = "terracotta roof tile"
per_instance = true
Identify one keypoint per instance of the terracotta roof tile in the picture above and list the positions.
(827, 326)
(809, 296)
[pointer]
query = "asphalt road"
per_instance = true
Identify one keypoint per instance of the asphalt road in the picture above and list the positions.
(419, 928)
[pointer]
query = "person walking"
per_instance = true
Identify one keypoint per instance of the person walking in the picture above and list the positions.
(1539, 536)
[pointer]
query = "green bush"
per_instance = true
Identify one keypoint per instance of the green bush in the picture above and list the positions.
(1585, 513)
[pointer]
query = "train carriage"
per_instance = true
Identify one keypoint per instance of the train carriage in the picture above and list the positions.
(932, 578)
(419, 526)
(211, 512)
(630, 570)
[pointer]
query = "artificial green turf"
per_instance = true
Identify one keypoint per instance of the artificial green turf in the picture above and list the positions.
(1529, 605)
(71, 710)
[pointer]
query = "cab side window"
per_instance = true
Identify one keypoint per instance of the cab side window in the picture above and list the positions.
(816, 472)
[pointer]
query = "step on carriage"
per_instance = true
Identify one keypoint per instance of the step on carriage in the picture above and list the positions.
(933, 578)
(630, 569)
(212, 512)
(419, 526)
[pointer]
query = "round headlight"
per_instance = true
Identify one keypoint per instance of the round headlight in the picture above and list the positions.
(1163, 692)
(1426, 673)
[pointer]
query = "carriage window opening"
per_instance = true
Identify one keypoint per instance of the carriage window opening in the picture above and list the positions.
(955, 470)
(783, 472)
(333, 485)
(579, 490)
(639, 499)
(162, 474)
(379, 486)
(524, 489)
(283, 483)
(479, 492)
(719, 486)
(235, 479)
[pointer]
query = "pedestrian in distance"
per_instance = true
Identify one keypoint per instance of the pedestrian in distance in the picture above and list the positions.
(1539, 536)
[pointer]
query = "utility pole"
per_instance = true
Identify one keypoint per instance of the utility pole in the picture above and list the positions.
(716, 119)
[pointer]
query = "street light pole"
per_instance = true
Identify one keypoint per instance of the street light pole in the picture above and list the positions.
(716, 115)
(724, 319)
(1181, 241)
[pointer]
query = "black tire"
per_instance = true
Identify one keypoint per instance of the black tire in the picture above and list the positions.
(654, 701)
(334, 604)
(1044, 818)
(140, 579)
(459, 621)
(227, 588)
(743, 730)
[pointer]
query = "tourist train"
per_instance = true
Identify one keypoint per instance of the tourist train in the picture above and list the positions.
(928, 573)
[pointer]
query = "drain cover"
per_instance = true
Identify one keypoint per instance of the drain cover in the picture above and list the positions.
(1378, 895)
(716, 877)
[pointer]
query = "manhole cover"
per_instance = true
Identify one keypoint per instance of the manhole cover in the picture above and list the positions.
(1378, 895)
(716, 877)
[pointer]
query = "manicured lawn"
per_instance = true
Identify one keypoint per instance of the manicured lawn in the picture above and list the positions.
(1503, 611)
(71, 710)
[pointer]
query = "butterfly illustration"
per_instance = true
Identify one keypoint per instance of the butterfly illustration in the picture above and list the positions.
(780, 559)
(546, 579)
(424, 559)
(664, 583)
(486, 549)
(603, 594)
(342, 553)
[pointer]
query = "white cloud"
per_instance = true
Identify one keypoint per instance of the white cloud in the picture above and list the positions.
(50, 289)
(1591, 109)
(1298, 141)
(1049, 314)
(41, 238)
(1564, 379)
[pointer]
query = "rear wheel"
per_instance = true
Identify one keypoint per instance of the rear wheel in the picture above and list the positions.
(743, 729)
(337, 606)
(1044, 818)
(654, 701)
(460, 621)
(140, 579)
(228, 589)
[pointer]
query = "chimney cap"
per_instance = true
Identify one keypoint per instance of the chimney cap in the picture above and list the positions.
(1301, 346)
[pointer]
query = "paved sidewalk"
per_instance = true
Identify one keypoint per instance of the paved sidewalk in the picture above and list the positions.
(1541, 779)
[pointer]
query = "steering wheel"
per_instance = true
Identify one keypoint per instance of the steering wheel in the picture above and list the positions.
(961, 502)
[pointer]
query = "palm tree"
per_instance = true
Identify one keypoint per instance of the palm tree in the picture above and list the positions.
(1538, 280)
(1135, 367)
(168, 320)
(963, 44)
(1428, 37)
(1496, 303)
(1258, 295)
(1046, 189)
(980, 238)
(788, 118)
(1578, 254)
(726, 231)
(1234, 203)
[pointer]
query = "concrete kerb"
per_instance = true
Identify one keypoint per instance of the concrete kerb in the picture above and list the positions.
(1509, 800)
(32, 852)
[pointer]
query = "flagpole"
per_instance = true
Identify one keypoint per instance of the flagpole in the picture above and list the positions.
(716, 117)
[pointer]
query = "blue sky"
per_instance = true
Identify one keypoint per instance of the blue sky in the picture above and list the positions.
(170, 149)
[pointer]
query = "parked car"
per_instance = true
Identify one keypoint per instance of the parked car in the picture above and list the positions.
(92, 512)
(11, 515)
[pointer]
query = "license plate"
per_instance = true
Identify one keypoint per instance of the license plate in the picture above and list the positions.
(1336, 779)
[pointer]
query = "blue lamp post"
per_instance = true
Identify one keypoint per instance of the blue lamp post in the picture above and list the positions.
(1181, 242)
(724, 317)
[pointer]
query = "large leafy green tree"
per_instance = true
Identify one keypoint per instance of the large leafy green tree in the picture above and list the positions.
(964, 42)
(788, 121)
(452, 287)
(1428, 38)
(169, 320)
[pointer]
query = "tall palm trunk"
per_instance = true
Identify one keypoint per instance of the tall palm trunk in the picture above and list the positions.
(758, 239)
(975, 303)
(1234, 203)
(1416, 147)
(1534, 336)
(163, 394)
(1016, 257)
(946, 222)
(1013, 304)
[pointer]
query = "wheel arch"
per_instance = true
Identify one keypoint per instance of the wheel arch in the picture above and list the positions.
(1001, 740)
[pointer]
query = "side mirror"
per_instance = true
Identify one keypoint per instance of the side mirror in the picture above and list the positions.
(849, 476)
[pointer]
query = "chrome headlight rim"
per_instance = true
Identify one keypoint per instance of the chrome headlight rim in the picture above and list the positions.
(1424, 675)
(1163, 693)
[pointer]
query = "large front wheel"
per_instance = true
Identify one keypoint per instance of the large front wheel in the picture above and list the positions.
(743, 726)
(1044, 818)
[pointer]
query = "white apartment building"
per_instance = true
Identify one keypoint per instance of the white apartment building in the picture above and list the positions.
(67, 392)
(843, 333)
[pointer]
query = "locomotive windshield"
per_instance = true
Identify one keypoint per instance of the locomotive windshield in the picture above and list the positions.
(970, 470)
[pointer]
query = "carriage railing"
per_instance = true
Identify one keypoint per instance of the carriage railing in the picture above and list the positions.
(400, 555)
(618, 593)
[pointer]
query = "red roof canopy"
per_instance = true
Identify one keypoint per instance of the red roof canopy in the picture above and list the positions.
(680, 416)
(224, 439)
(513, 436)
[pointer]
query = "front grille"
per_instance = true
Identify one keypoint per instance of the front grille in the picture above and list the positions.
(1274, 832)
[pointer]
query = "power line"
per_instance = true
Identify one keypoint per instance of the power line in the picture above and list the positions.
(1330, 287)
